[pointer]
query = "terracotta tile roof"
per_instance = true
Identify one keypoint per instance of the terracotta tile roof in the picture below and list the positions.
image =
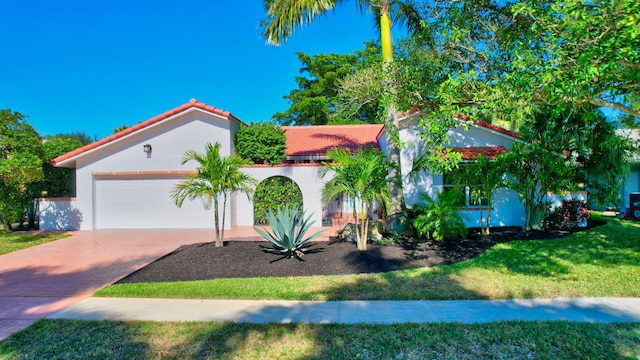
(311, 164)
(470, 153)
(317, 140)
(497, 129)
(193, 103)
(407, 115)
(485, 124)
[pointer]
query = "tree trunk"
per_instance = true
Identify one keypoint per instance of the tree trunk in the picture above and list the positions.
(220, 241)
(489, 207)
(217, 224)
(396, 211)
(362, 238)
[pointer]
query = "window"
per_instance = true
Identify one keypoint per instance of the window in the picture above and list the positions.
(472, 194)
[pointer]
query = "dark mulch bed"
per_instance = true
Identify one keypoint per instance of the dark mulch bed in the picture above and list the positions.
(248, 259)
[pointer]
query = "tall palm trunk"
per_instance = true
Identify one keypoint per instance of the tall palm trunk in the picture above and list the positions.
(395, 210)
(362, 237)
(216, 219)
(224, 216)
(487, 230)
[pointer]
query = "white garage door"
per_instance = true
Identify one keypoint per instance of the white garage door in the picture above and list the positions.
(145, 203)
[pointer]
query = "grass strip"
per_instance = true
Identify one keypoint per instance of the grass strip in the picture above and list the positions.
(14, 241)
(602, 261)
(71, 339)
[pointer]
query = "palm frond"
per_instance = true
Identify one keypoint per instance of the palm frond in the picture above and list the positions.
(283, 16)
(215, 176)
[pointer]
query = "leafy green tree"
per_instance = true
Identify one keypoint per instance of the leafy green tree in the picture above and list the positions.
(216, 177)
(362, 177)
(80, 136)
(482, 176)
(14, 204)
(316, 101)
(525, 54)
(20, 149)
(591, 145)
(120, 128)
(20, 163)
(261, 143)
(57, 182)
(532, 171)
(589, 53)
(273, 193)
(285, 15)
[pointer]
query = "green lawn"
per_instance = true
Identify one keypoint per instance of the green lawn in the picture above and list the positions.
(67, 339)
(603, 261)
(14, 241)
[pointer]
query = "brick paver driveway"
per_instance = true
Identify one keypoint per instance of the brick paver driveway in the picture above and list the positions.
(39, 281)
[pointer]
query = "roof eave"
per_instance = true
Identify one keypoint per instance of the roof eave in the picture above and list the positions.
(68, 159)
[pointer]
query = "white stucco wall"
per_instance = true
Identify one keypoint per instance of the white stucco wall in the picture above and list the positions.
(307, 178)
(630, 185)
(192, 129)
(507, 209)
(170, 138)
(59, 214)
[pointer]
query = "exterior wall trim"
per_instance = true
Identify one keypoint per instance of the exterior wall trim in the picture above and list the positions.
(142, 173)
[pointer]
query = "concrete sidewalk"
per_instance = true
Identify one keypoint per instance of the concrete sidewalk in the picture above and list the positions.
(351, 312)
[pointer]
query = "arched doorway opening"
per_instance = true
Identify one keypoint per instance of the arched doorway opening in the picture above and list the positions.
(274, 192)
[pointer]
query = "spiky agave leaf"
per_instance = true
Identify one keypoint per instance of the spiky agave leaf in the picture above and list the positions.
(288, 228)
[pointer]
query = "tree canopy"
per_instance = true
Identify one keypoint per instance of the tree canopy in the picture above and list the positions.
(588, 140)
(20, 164)
(526, 54)
(315, 101)
(261, 143)
(20, 150)
(57, 182)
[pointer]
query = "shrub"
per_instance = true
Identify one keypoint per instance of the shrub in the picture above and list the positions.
(439, 220)
(571, 214)
(288, 229)
(272, 193)
(261, 143)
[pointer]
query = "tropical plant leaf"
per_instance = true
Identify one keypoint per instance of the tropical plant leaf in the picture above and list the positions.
(288, 227)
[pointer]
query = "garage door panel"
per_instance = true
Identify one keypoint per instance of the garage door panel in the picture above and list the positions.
(146, 203)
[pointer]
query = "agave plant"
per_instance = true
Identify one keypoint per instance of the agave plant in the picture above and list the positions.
(288, 229)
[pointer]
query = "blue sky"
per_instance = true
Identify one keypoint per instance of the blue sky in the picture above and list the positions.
(94, 65)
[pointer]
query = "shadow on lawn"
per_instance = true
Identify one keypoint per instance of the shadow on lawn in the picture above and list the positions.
(77, 339)
(616, 243)
(612, 245)
(143, 340)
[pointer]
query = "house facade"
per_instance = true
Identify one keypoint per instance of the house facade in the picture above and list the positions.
(472, 139)
(124, 181)
(630, 202)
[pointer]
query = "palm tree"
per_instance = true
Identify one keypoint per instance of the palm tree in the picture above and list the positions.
(215, 179)
(362, 177)
(285, 15)
(483, 176)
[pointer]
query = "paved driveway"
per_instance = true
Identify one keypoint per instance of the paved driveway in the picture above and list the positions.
(39, 281)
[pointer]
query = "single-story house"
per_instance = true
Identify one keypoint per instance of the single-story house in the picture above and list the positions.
(123, 181)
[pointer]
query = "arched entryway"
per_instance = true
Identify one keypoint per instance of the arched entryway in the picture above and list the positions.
(274, 192)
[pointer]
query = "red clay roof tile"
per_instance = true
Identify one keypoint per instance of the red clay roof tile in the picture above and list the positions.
(193, 103)
(489, 126)
(317, 140)
(470, 153)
